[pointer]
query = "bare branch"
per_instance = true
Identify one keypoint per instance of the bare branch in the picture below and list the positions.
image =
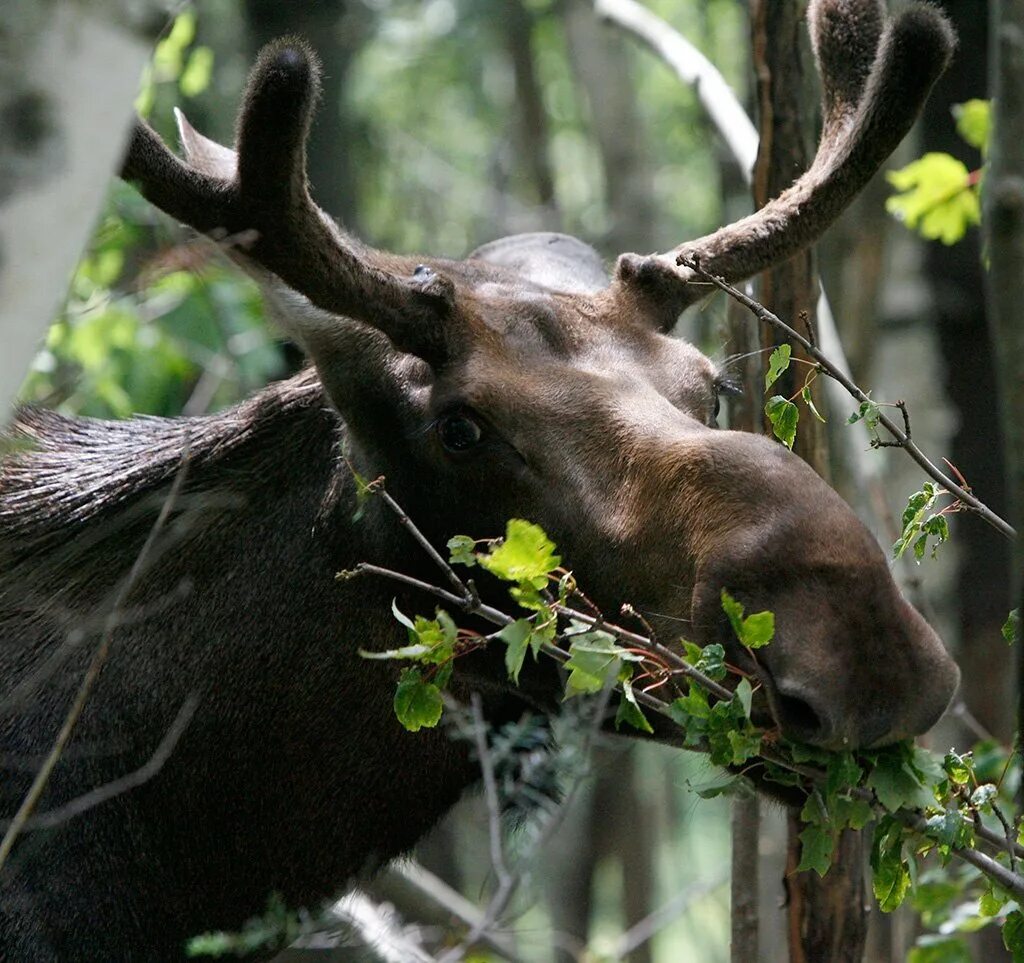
(453, 903)
(970, 501)
(145, 772)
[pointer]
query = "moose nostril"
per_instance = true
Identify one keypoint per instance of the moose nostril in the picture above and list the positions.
(799, 719)
(799, 714)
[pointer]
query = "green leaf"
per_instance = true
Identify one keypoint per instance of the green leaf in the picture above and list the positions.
(758, 630)
(1012, 627)
(851, 812)
(726, 785)
(993, 899)
(525, 555)
(805, 393)
(744, 693)
(842, 772)
(895, 783)
(936, 199)
(593, 661)
(754, 631)
(959, 768)
(517, 637)
(816, 848)
(418, 703)
(461, 550)
(891, 873)
(710, 659)
(950, 830)
(744, 745)
(917, 528)
(694, 704)
(545, 632)
(974, 122)
(784, 417)
(629, 711)
(777, 364)
(1013, 935)
(869, 412)
(983, 797)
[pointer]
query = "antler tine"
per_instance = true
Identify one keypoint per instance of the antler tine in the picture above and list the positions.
(875, 82)
(262, 192)
(845, 35)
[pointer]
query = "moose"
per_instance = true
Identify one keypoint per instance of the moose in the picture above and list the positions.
(523, 381)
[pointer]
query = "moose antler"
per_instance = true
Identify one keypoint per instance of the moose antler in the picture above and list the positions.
(875, 78)
(260, 191)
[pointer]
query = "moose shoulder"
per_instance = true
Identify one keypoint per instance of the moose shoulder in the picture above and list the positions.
(520, 382)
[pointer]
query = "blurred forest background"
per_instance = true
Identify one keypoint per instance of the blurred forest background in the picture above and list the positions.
(448, 123)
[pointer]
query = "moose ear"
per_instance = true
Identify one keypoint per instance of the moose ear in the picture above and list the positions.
(213, 159)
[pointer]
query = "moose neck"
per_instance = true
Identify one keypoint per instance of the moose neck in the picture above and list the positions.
(293, 752)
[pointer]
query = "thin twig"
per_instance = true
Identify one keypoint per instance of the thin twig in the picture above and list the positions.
(116, 787)
(648, 643)
(35, 791)
(377, 488)
(453, 903)
(970, 502)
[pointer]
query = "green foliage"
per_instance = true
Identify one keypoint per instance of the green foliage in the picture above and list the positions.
(754, 631)
(868, 412)
(974, 122)
(927, 808)
(525, 556)
(710, 660)
(920, 523)
(133, 341)
(890, 868)
(940, 949)
(274, 930)
(418, 703)
(1013, 935)
(176, 63)
(778, 363)
(1012, 627)
(937, 197)
(784, 417)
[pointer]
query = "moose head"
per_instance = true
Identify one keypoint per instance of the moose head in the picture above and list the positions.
(519, 382)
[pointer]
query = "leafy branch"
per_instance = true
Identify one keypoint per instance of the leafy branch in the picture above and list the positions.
(870, 410)
(922, 804)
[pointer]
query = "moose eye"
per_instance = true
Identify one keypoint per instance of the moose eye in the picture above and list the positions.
(459, 432)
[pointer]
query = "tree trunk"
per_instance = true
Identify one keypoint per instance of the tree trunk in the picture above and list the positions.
(826, 915)
(956, 280)
(1004, 210)
(515, 25)
(599, 60)
(68, 72)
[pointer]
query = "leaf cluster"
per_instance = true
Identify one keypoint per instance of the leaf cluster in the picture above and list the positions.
(923, 806)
